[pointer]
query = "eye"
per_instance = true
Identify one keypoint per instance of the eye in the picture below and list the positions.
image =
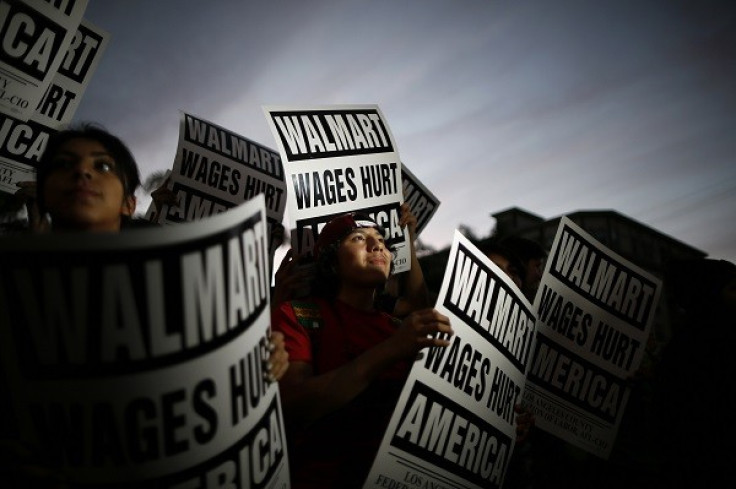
(62, 162)
(104, 166)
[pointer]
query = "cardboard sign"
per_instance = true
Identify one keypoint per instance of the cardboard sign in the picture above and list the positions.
(34, 38)
(23, 143)
(594, 312)
(136, 358)
(216, 169)
(421, 200)
(339, 159)
(454, 423)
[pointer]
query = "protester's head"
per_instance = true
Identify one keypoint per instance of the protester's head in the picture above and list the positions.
(86, 180)
(504, 259)
(532, 256)
(350, 252)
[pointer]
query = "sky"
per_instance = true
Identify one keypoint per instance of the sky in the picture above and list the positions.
(552, 107)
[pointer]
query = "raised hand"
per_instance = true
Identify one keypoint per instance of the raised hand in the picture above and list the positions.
(422, 329)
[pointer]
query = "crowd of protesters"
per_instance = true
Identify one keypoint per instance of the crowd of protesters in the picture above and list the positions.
(346, 331)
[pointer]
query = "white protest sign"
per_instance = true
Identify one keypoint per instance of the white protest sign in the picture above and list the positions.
(594, 312)
(421, 200)
(136, 359)
(339, 159)
(23, 143)
(454, 424)
(216, 169)
(21, 147)
(60, 102)
(34, 37)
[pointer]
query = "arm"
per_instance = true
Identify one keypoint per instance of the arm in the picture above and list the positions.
(308, 397)
(278, 358)
(414, 294)
(290, 280)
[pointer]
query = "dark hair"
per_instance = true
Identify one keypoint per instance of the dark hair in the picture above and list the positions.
(493, 245)
(524, 248)
(125, 166)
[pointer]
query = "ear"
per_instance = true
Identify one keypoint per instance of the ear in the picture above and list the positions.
(128, 207)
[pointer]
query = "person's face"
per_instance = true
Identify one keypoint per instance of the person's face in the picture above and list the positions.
(504, 264)
(363, 259)
(83, 191)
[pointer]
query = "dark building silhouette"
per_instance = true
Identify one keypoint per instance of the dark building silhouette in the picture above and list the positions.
(637, 242)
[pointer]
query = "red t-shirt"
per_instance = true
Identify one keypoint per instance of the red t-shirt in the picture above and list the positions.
(338, 450)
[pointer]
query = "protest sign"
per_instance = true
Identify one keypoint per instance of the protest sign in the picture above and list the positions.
(23, 143)
(60, 101)
(216, 169)
(34, 38)
(594, 312)
(422, 202)
(136, 359)
(339, 159)
(454, 424)
(21, 147)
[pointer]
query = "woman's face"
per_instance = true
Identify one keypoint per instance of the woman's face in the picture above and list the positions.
(83, 191)
(363, 259)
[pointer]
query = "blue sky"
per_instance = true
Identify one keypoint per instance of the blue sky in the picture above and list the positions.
(553, 107)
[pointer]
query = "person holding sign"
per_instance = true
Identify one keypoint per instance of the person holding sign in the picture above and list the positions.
(348, 360)
(86, 182)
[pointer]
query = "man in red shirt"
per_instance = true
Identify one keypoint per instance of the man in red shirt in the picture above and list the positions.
(348, 361)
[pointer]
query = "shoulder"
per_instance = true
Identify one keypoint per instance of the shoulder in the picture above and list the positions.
(300, 322)
(306, 313)
(310, 308)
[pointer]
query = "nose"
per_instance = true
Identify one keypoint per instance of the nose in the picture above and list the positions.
(375, 244)
(82, 169)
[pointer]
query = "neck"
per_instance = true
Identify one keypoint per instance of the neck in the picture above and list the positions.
(61, 226)
(359, 298)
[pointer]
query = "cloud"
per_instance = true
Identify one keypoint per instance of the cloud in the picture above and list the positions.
(554, 107)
